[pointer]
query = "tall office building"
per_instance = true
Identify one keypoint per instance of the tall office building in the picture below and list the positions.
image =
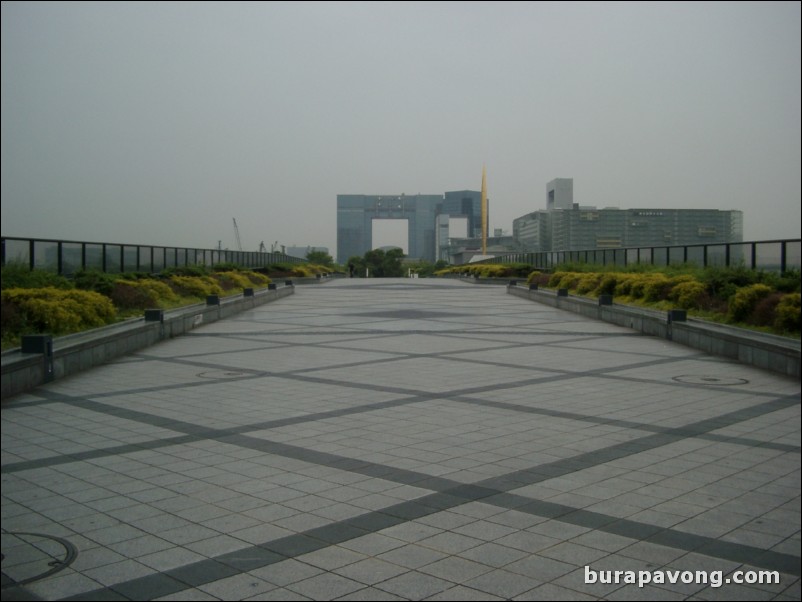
(356, 213)
(426, 216)
(531, 231)
(466, 203)
(560, 194)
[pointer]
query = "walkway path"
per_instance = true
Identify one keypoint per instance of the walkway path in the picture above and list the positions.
(404, 439)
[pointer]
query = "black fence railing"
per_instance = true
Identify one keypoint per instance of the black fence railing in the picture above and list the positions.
(769, 255)
(67, 257)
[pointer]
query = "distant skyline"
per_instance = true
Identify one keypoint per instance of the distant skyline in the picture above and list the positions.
(157, 123)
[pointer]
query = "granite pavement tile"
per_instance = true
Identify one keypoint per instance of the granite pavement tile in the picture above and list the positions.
(403, 439)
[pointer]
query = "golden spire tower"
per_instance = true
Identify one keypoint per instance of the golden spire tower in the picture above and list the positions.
(484, 211)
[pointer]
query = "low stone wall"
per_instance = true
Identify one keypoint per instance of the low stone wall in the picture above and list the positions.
(476, 280)
(319, 279)
(78, 352)
(774, 353)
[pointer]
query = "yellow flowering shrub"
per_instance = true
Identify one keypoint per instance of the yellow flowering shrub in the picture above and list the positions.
(146, 293)
(195, 286)
(744, 301)
(257, 279)
(493, 270)
(567, 280)
(232, 280)
(588, 283)
(608, 282)
(688, 294)
(624, 283)
(789, 311)
(316, 268)
(59, 311)
(656, 288)
(302, 271)
(533, 277)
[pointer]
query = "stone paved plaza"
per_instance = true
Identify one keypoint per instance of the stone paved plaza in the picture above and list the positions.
(404, 440)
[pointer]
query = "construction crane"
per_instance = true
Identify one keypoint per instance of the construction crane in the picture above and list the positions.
(236, 233)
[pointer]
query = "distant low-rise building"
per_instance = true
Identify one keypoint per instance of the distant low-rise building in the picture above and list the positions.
(571, 227)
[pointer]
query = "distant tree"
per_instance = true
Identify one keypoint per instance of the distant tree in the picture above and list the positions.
(373, 262)
(359, 265)
(425, 269)
(384, 264)
(320, 258)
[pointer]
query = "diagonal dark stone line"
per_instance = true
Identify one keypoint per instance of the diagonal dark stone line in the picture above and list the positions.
(318, 538)
(698, 430)
(449, 494)
(445, 493)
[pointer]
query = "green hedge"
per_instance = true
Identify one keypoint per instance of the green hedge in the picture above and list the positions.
(771, 303)
(54, 310)
(36, 301)
(489, 270)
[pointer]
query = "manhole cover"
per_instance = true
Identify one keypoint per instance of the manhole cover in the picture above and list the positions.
(216, 374)
(28, 557)
(694, 379)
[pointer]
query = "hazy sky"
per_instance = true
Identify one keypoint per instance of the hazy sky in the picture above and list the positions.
(157, 123)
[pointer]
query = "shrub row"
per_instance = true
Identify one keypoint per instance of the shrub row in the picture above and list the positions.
(37, 301)
(306, 270)
(720, 281)
(489, 270)
(733, 294)
(138, 292)
(754, 304)
(688, 292)
(54, 310)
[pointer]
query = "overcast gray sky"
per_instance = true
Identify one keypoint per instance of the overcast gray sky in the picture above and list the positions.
(157, 123)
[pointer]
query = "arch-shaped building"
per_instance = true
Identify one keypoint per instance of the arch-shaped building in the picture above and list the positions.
(356, 213)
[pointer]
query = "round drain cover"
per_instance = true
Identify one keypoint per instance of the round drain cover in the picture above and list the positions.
(701, 379)
(28, 557)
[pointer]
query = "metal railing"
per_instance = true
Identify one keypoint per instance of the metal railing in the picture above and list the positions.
(66, 257)
(769, 255)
